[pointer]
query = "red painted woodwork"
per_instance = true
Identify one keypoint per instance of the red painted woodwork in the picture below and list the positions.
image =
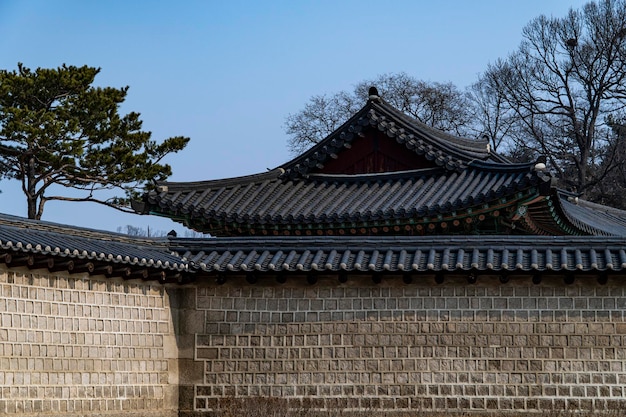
(375, 153)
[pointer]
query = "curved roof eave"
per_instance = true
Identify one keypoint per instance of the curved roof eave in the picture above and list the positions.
(592, 218)
(324, 198)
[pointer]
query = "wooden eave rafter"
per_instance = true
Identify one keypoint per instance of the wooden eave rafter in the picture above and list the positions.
(545, 217)
(471, 276)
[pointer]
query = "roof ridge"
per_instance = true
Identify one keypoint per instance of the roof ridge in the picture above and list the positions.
(377, 175)
(447, 150)
(508, 167)
(470, 142)
(166, 186)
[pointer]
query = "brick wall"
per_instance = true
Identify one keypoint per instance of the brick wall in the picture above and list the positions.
(78, 345)
(455, 346)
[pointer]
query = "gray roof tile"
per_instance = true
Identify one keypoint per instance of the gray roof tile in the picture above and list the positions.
(304, 255)
(325, 198)
(49, 239)
(497, 254)
(595, 218)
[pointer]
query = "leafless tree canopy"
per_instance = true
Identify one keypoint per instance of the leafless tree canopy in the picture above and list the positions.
(561, 94)
(610, 191)
(492, 117)
(567, 77)
(438, 105)
(321, 116)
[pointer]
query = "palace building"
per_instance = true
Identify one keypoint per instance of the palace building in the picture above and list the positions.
(390, 267)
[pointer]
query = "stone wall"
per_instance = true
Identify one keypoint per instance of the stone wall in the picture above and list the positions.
(77, 345)
(418, 346)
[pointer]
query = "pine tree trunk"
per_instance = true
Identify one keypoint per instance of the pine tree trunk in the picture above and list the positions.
(31, 193)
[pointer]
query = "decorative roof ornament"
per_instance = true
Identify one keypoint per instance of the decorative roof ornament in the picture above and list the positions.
(373, 94)
(573, 199)
(540, 165)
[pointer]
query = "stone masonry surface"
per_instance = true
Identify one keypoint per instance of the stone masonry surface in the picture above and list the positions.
(74, 345)
(421, 346)
(79, 345)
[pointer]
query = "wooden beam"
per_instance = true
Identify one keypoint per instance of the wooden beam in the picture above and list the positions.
(159, 275)
(139, 273)
(123, 272)
(103, 270)
(39, 262)
(82, 267)
(15, 260)
(61, 265)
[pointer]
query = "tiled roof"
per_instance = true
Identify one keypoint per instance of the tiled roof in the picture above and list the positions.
(65, 243)
(334, 188)
(297, 195)
(482, 254)
(445, 150)
(595, 218)
(183, 258)
(324, 199)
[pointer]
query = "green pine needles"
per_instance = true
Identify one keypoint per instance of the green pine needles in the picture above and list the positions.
(57, 130)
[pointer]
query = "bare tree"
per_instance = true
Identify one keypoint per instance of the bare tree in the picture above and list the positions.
(438, 105)
(321, 116)
(566, 77)
(610, 190)
(493, 117)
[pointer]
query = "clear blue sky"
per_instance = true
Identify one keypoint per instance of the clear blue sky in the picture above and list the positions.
(227, 73)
